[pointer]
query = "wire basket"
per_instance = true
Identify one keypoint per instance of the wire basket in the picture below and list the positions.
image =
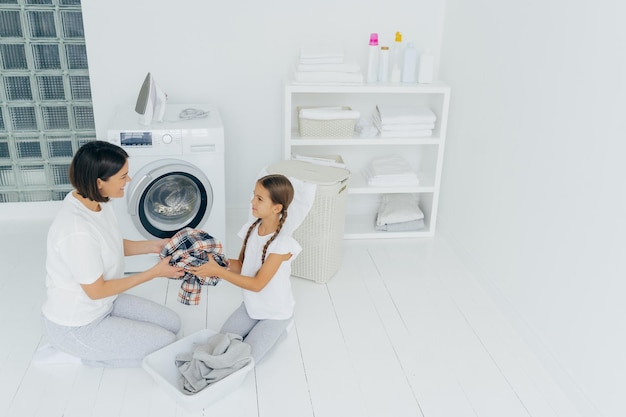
(335, 128)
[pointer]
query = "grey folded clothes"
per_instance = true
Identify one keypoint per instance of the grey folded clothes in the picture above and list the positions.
(222, 355)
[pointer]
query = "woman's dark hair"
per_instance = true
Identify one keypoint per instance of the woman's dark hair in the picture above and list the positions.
(93, 160)
(281, 192)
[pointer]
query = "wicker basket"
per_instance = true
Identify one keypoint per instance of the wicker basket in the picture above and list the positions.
(321, 232)
(336, 128)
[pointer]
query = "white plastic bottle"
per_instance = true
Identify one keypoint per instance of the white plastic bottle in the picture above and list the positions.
(426, 68)
(409, 66)
(372, 63)
(383, 67)
(396, 59)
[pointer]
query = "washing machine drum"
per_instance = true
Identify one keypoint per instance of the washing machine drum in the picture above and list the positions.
(168, 195)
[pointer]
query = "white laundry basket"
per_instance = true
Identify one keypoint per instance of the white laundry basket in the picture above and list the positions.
(161, 365)
(321, 232)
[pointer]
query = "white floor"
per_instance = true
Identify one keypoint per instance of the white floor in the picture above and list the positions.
(401, 330)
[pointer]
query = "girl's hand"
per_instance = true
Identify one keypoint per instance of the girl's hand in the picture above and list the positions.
(164, 269)
(208, 269)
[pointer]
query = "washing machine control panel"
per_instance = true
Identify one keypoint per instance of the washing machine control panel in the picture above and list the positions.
(148, 142)
(173, 136)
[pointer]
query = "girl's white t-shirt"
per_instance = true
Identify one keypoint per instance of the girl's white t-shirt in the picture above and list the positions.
(275, 301)
(82, 245)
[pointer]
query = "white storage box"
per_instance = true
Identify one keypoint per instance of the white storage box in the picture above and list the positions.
(161, 366)
(321, 232)
(329, 122)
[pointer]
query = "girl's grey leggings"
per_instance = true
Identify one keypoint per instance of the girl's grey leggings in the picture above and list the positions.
(260, 334)
(132, 329)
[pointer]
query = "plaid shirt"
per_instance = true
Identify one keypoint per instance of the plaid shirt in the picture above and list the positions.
(190, 247)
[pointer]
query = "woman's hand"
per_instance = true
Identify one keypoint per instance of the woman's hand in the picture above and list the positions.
(164, 269)
(155, 246)
(101, 288)
(141, 247)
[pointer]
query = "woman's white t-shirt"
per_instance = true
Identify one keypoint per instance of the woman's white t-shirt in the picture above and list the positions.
(82, 246)
(275, 301)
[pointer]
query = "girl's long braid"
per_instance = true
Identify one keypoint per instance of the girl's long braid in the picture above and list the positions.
(242, 253)
(281, 221)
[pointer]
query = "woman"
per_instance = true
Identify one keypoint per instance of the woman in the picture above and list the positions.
(86, 313)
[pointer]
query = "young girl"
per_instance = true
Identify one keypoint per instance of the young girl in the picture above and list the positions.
(263, 269)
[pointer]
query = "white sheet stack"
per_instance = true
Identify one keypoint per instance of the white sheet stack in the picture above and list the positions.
(326, 66)
(404, 121)
(399, 213)
(390, 171)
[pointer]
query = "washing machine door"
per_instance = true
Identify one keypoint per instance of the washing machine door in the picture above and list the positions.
(168, 195)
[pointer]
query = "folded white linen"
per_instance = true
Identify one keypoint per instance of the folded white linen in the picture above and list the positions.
(390, 170)
(421, 133)
(328, 113)
(400, 126)
(398, 208)
(391, 181)
(340, 67)
(328, 77)
(405, 114)
(390, 165)
(408, 126)
(409, 226)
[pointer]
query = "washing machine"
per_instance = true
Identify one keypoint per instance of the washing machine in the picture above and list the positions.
(177, 175)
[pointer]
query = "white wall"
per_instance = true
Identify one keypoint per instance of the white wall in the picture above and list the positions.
(234, 54)
(533, 189)
(533, 186)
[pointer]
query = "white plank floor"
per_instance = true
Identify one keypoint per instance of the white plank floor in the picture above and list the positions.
(401, 330)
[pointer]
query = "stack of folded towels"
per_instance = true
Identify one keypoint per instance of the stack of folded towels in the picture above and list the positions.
(326, 66)
(404, 121)
(399, 213)
(392, 170)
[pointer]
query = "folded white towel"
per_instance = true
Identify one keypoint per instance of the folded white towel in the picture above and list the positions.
(390, 165)
(405, 114)
(398, 208)
(392, 170)
(341, 67)
(408, 126)
(409, 226)
(321, 52)
(392, 180)
(328, 113)
(328, 77)
(400, 126)
(421, 133)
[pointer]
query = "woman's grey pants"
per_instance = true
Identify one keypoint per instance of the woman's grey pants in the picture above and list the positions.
(132, 329)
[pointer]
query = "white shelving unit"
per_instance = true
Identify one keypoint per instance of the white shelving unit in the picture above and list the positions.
(424, 154)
